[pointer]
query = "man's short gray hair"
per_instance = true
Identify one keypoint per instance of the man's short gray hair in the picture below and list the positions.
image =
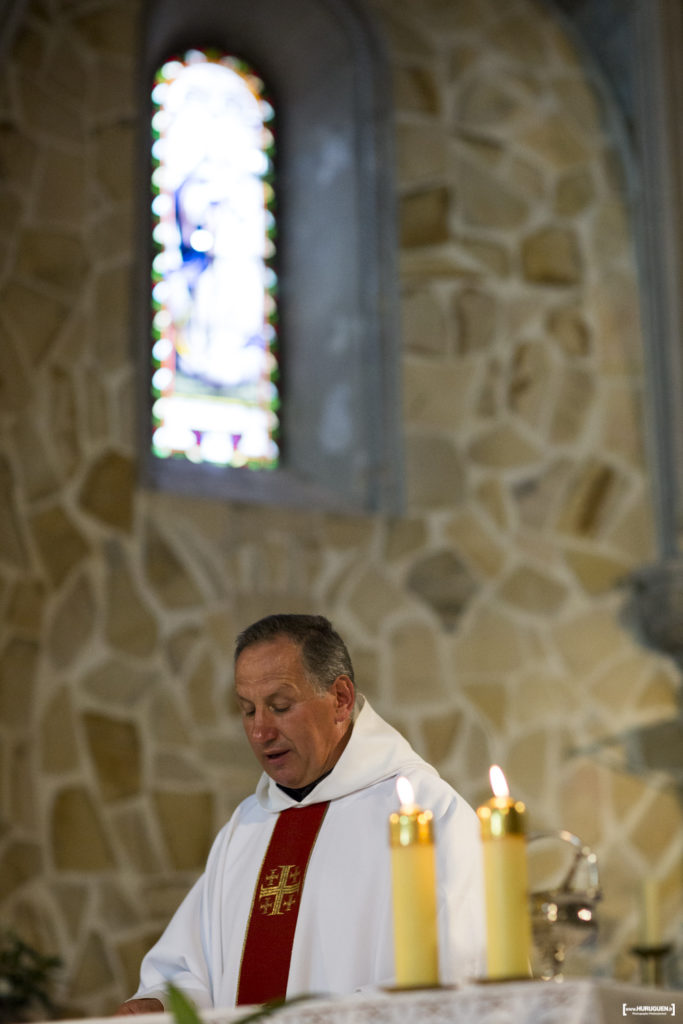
(323, 652)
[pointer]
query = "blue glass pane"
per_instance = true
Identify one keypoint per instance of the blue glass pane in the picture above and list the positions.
(214, 286)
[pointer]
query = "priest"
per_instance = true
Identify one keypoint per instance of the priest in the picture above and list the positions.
(296, 894)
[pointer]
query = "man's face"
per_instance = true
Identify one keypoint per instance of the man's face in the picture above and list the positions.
(296, 733)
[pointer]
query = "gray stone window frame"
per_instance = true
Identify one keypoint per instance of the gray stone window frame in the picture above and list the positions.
(327, 72)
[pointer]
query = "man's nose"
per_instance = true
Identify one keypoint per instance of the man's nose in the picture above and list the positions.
(262, 726)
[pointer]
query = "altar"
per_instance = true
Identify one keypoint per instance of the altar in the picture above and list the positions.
(578, 1001)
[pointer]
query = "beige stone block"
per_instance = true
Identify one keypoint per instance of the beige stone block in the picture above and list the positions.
(26, 607)
(110, 30)
(485, 256)
(582, 800)
(541, 696)
(18, 667)
(660, 695)
(108, 489)
(490, 698)
(573, 406)
(594, 492)
(114, 159)
(167, 574)
(56, 258)
(537, 498)
(476, 317)
(616, 688)
(441, 733)
(111, 329)
(504, 447)
(522, 36)
(115, 751)
(623, 421)
(424, 326)
(435, 395)
(44, 111)
(58, 739)
(532, 383)
(187, 825)
(92, 971)
(581, 102)
(487, 101)
(658, 826)
(614, 307)
(424, 217)
(558, 142)
(568, 326)
(610, 235)
(165, 722)
(119, 683)
(415, 90)
(18, 154)
(61, 193)
(20, 861)
(181, 645)
(526, 179)
(552, 256)
(374, 597)
(36, 469)
(485, 200)
(404, 537)
(532, 591)
(60, 543)
(72, 624)
(477, 543)
(131, 951)
(575, 192)
(421, 153)
(171, 769)
(77, 836)
(415, 674)
(444, 583)
(588, 638)
(476, 753)
(131, 627)
(72, 898)
(434, 473)
(36, 318)
(527, 765)
(12, 545)
(16, 388)
(490, 642)
(23, 801)
(490, 496)
(132, 830)
(66, 434)
(201, 692)
(596, 571)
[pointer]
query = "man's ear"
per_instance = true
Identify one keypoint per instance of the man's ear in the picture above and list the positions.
(344, 697)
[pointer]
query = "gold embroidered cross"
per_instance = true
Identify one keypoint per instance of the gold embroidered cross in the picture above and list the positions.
(281, 890)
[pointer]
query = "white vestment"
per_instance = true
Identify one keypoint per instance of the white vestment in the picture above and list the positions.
(344, 933)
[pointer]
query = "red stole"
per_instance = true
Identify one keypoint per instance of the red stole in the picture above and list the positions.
(275, 905)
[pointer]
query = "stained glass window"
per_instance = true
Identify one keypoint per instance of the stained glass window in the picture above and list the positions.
(214, 376)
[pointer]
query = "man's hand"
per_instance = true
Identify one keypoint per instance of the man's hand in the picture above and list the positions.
(140, 1006)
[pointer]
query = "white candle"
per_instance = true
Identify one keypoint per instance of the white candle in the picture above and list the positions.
(508, 924)
(414, 892)
(650, 920)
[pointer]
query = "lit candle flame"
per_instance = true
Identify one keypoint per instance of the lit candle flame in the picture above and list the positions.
(498, 781)
(405, 792)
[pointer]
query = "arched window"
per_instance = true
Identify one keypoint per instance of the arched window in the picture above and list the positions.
(327, 386)
(213, 286)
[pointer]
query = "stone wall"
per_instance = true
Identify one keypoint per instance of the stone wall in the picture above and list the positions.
(484, 622)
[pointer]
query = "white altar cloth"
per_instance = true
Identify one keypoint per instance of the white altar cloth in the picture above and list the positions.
(575, 1001)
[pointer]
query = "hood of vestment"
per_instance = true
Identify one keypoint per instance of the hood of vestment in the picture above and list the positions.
(375, 751)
